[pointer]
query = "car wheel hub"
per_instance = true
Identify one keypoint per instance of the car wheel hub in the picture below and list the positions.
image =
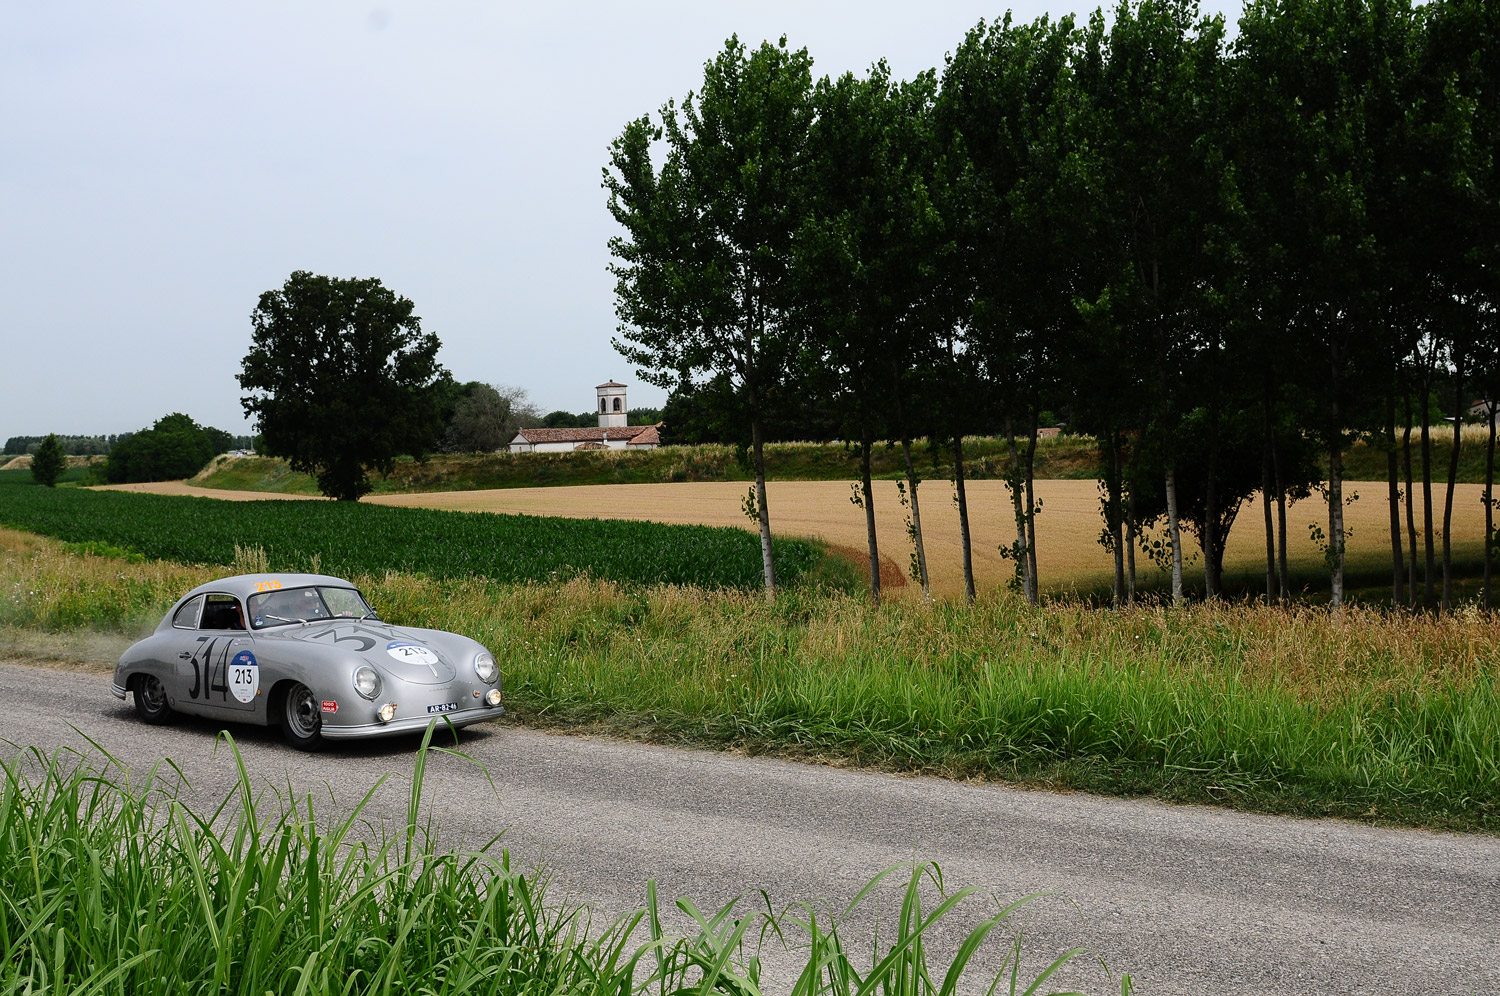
(302, 712)
(153, 694)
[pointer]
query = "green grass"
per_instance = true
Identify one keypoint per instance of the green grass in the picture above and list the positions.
(985, 457)
(112, 884)
(347, 538)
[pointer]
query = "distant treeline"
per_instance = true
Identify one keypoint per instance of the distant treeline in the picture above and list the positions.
(588, 420)
(100, 445)
(72, 445)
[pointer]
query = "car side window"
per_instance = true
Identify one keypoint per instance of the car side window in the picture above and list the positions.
(187, 616)
(221, 612)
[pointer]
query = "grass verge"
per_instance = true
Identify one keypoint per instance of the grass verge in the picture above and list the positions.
(115, 885)
(1361, 714)
(986, 458)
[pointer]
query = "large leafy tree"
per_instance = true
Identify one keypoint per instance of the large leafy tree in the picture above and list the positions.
(703, 267)
(175, 447)
(342, 379)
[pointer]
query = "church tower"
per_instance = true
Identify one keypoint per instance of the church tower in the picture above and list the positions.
(612, 407)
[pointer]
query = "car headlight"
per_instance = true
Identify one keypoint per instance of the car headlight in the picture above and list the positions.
(366, 681)
(387, 712)
(486, 669)
(493, 698)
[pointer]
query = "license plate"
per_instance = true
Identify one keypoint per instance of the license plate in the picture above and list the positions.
(443, 707)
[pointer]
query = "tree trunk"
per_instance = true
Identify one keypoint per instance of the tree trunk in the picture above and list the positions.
(911, 480)
(757, 439)
(1283, 574)
(916, 515)
(963, 515)
(1267, 436)
(1336, 486)
(1411, 510)
(1130, 535)
(1174, 536)
(1115, 517)
(1458, 426)
(1034, 594)
(1393, 490)
(1429, 568)
(1489, 501)
(1336, 520)
(869, 503)
(1210, 508)
(1017, 505)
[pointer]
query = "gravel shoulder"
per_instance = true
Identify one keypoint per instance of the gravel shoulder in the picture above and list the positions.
(1188, 900)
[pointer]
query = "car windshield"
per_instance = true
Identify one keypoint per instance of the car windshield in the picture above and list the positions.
(303, 605)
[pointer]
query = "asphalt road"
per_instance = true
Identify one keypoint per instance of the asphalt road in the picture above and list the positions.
(1188, 900)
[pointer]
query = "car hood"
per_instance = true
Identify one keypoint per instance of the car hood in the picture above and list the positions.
(412, 655)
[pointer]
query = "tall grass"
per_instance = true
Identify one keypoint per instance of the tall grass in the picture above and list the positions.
(110, 884)
(1361, 713)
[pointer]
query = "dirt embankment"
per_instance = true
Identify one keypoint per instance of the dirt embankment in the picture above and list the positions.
(24, 462)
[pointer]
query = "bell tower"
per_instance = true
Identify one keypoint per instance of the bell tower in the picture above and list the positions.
(612, 406)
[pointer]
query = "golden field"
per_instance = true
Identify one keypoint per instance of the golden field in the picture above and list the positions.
(1069, 555)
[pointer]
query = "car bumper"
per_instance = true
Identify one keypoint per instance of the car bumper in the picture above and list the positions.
(414, 724)
(118, 690)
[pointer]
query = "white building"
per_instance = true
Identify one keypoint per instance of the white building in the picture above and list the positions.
(611, 434)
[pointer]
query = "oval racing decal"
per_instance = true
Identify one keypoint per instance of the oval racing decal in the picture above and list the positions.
(412, 653)
(244, 677)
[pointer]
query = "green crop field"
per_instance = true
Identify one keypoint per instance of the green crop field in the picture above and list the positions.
(346, 538)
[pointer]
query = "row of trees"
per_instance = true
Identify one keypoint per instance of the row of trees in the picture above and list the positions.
(587, 420)
(1226, 260)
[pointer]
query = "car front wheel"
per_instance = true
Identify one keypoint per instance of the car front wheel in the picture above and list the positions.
(151, 699)
(301, 718)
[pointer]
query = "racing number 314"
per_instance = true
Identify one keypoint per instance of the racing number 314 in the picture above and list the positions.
(217, 674)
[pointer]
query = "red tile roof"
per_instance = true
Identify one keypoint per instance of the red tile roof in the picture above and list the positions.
(594, 435)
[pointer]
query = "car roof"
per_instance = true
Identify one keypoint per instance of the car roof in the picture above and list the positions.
(245, 585)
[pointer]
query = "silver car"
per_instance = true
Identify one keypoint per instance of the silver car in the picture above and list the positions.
(306, 653)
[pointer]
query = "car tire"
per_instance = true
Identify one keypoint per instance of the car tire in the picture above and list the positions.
(150, 699)
(301, 718)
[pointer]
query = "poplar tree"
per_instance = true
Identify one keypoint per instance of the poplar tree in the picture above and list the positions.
(703, 268)
(866, 215)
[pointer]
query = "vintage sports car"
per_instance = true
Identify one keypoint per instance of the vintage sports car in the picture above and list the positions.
(314, 660)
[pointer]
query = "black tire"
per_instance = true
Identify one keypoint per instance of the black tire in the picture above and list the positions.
(301, 719)
(150, 699)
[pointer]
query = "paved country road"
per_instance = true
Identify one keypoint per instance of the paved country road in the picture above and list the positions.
(1190, 901)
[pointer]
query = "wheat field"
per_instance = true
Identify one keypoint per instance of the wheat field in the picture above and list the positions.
(1069, 556)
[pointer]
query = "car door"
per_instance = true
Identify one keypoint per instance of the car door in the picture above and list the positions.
(219, 672)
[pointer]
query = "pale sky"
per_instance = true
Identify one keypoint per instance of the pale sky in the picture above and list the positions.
(162, 164)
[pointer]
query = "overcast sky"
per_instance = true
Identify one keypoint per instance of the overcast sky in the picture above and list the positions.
(162, 164)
